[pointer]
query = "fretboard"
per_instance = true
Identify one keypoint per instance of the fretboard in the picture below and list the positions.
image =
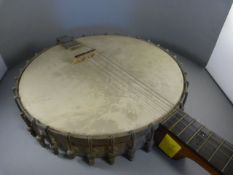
(212, 148)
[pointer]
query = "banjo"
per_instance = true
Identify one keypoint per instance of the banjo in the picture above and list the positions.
(104, 96)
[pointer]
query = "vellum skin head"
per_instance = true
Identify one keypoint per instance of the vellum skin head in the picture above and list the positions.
(126, 85)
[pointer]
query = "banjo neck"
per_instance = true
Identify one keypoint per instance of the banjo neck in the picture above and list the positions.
(182, 136)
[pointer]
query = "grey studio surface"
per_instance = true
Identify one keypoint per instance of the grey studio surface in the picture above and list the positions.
(21, 154)
(188, 27)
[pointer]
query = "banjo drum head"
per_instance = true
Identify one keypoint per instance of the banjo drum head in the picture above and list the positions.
(125, 85)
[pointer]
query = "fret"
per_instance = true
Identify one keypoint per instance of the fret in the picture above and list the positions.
(228, 162)
(181, 125)
(169, 117)
(227, 150)
(186, 127)
(191, 138)
(221, 158)
(189, 131)
(168, 123)
(229, 168)
(203, 144)
(213, 149)
(176, 123)
(210, 146)
(166, 119)
(216, 150)
(200, 138)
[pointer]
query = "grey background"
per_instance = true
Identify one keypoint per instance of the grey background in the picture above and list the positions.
(190, 27)
(20, 153)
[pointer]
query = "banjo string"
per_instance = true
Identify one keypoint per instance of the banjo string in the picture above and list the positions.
(124, 84)
(160, 99)
(141, 84)
(116, 84)
(117, 72)
(122, 76)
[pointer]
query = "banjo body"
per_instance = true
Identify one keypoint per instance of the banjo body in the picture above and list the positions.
(99, 96)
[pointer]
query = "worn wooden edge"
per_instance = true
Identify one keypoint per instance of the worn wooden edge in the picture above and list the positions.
(91, 147)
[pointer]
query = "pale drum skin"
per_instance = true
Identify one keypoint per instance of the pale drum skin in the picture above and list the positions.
(127, 85)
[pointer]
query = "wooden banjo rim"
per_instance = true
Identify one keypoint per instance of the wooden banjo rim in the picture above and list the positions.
(39, 124)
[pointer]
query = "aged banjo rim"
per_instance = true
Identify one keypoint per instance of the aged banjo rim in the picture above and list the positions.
(91, 147)
(36, 122)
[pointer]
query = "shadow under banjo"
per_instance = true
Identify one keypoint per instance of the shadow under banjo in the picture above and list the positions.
(104, 96)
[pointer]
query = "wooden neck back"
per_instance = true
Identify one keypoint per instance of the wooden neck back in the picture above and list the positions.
(197, 142)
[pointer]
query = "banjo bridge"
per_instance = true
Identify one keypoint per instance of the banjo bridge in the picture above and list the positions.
(71, 44)
(85, 55)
